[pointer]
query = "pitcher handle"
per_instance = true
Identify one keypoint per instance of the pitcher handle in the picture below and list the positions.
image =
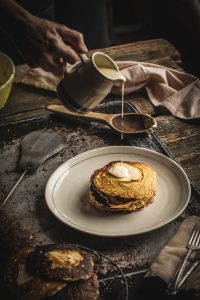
(83, 58)
(65, 69)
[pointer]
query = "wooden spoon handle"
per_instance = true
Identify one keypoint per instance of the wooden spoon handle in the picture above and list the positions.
(60, 109)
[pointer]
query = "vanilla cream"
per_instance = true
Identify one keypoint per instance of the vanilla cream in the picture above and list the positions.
(125, 172)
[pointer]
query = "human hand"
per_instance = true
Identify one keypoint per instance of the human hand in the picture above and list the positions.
(48, 45)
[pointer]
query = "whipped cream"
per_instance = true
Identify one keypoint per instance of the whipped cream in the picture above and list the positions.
(125, 172)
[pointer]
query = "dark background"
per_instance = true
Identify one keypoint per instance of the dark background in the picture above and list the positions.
(177, 21)
(111, 22)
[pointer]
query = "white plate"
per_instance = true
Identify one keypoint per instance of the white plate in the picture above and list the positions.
(67, 189)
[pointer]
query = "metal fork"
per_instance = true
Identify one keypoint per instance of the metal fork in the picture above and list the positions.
(193, 244)
(189, 271)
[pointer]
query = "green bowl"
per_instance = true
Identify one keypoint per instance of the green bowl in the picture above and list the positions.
(7, 72)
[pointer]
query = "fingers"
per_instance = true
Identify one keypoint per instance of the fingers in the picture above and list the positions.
(54, 58)
(54, 65)
(57, 35)
(67, 53)
(74, 37)
(49, 64)
(56, 47)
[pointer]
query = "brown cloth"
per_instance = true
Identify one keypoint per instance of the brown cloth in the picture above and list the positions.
(171, 256)
(176, 91)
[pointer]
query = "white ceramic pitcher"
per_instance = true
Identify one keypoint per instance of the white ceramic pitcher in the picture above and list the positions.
(88, 82)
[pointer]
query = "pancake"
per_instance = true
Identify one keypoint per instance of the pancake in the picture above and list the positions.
(122, 186)
(24, 285)
(61, 262)
(80, 290)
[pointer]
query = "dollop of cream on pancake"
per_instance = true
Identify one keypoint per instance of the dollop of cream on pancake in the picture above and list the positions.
(125, 172)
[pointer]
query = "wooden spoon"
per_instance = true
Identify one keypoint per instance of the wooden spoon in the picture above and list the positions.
(131, 123)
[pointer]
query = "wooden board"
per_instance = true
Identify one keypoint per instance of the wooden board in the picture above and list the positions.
(181, 138)
(28, 103)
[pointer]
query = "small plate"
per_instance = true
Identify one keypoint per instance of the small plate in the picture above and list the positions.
(67, 189)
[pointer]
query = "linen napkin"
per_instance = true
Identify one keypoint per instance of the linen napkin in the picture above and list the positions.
(171, 256)
(176, 91)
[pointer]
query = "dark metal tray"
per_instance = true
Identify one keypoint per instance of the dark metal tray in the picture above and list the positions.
(26, 221)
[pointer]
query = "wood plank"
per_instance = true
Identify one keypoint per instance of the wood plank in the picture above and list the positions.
(182, 139)
(155, 51)
(26, 98)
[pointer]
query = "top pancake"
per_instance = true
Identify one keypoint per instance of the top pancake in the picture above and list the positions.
(61, 262)
(144, 188)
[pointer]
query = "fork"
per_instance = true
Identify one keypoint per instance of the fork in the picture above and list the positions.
(193, 244)
(189, 271)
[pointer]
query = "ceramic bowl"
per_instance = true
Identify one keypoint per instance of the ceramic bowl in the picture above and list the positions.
(7, 71)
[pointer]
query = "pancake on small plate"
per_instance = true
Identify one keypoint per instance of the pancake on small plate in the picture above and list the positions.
(61, 262)
(23, 285)
(122, 186)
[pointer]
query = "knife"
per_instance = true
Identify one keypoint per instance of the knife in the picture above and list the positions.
(125, 275)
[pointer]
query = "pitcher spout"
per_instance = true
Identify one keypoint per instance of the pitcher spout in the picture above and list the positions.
(122, 78)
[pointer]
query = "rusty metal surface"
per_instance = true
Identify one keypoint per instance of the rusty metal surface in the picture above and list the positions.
(26, 221)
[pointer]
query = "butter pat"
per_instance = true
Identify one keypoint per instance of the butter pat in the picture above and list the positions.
(125, 172)
(65, 258)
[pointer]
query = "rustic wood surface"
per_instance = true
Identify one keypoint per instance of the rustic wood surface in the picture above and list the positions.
(181, 138)
(27, 103)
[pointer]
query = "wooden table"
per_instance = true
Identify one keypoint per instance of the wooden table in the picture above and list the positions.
(181, 138)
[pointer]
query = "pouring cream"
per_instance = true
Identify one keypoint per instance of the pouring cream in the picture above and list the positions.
(116, 75)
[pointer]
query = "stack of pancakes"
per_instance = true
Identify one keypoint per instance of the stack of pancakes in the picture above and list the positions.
(56, 272)
(112, 191)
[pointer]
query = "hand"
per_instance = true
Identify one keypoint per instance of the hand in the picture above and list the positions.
(48, 45)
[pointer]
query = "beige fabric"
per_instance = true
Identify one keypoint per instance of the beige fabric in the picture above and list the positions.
(176, 91)
(172, 255)
(36, 77)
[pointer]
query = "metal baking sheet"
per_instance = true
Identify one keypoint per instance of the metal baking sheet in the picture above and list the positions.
(26, 221)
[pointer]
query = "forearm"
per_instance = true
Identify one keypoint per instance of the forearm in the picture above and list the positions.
(41, 42)
(12, 15)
